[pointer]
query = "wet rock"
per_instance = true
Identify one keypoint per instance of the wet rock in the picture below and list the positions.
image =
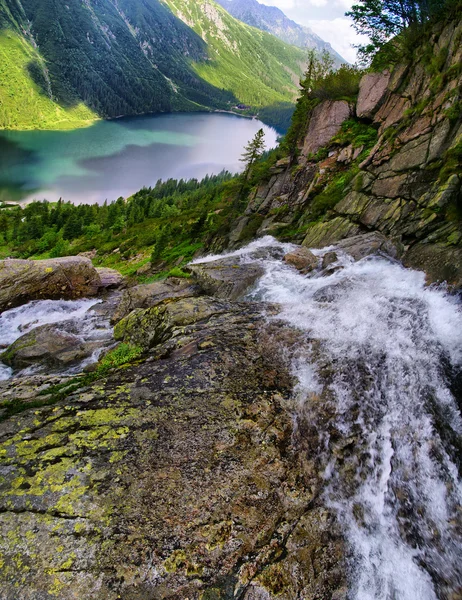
(325, 122)
(47, 344)
(440, 262)
(148, 295)
(302, 259)
(227, 278)
(371, 96)
(24, 280)
(328, 259)
(366, 244)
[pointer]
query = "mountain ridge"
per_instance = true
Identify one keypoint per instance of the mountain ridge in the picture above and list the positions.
(274, 21)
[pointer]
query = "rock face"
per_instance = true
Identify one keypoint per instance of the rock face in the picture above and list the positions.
(173, 477)
(24, 280)
(325, 122)
(371, 94)
(225, 278)
(408, 186)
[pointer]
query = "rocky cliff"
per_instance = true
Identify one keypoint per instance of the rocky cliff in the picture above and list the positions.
(406, 185)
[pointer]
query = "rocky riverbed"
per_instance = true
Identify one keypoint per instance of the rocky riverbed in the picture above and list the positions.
(266, 429)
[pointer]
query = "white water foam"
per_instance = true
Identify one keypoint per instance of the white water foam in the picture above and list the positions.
(388, 337)
(77, 313)
(17, 321)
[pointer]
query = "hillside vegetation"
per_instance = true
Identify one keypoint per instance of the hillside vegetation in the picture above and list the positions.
(22, 101)
(256, 66)
(125, 58)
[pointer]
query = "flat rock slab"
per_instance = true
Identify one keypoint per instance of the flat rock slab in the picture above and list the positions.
(150, 294)
(69, 278)
(176, 476)
(227, 278)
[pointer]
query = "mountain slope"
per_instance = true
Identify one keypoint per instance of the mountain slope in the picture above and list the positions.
(258, 68)
(123, 57)
(274, 21)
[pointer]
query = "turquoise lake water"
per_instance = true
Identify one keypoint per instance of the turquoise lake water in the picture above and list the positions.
(116, 158)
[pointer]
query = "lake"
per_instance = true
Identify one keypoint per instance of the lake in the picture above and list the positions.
(116, 158)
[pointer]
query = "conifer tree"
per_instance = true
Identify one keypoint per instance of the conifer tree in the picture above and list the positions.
(253, 151)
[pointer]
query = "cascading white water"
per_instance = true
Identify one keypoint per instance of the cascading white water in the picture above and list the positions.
(388, 339)
(18, 321)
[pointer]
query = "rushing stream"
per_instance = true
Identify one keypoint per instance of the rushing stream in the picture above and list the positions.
(394, 484)
(79, 315)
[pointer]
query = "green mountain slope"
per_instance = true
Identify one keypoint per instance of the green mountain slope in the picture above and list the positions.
(22, 101)
(256, 66)
(66, 63)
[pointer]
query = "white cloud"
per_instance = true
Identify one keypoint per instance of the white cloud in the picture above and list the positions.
(327, 19)
(340, 34)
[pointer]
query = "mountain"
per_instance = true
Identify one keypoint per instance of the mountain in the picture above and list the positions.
(273, 20)
(106, 58)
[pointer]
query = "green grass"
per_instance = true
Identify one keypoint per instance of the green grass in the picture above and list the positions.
(23, 103)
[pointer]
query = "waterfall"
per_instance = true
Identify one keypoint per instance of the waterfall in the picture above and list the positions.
(378, 350)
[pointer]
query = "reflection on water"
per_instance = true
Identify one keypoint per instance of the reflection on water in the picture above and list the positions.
(116, 158)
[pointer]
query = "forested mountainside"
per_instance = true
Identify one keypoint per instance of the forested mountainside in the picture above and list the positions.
(109, 58)
(273, 20)
(379, 151)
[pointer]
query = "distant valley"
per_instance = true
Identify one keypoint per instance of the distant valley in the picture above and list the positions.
(122, 57)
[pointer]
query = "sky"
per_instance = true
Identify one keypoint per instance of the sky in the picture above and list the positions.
(326, 18)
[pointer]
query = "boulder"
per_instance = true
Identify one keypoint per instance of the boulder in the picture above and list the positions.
(327, 233)
(24, 280)
(302, 259)
(328, 259)
(360, 246)
(110, 278)
(151, 294)
(47, 344)
(152, 326)
(325, 123)
(226, 278)
(372, 93)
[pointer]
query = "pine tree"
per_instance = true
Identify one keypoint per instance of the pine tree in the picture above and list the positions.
(253, 151)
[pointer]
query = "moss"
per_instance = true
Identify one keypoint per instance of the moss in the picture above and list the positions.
(357, 134)
(177, 272)
(331, 195)
(452, 162)
(251, 228)
(454, 113)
